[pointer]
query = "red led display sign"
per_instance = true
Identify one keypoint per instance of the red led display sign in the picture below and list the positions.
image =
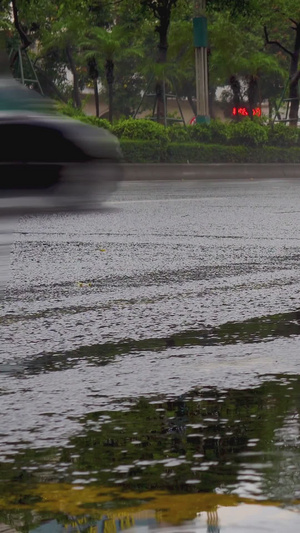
(244, 111)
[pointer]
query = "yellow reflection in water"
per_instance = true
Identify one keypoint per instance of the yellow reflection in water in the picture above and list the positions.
(78, 501)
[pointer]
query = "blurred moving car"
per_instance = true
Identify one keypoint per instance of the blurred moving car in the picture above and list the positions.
(47, 161)
(67, 163)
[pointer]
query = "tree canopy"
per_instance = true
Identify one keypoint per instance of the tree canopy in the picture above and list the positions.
(117, 46)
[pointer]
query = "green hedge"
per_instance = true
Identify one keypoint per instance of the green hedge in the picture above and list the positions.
(248, 133)
(151, 152)
(216, 132)
(283, 135)
(142, 129)
(205, 153)
(247, 141)
(274, 154)
(201, 153)
(244, 133)
(142, 151)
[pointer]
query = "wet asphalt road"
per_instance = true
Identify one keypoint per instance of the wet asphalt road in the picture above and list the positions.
(131, 301)
(160, 259)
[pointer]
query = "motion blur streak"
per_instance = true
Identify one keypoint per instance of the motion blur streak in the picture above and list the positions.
(6, 229)
(48, 163)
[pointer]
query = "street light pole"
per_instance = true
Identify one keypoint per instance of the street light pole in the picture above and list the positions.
(201, 42)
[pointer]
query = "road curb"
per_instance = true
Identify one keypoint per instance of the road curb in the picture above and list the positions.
(202, 171)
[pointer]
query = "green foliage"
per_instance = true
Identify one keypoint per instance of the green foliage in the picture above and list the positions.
(214, 132)
(205, 153)
(248, 133)
(276, 154)
(67, 34)
(104, 44)
(199, 133)
(142, 129)
(235, 7)
(5, 18)
(95, 121)
(145, 141)
(177, 133)
(214, 153)
(136, 151)
(70, 111)
(282, 135)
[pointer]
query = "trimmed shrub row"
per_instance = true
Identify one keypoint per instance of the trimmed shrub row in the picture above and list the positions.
(204, 153)
(151, 152)
(245, 133)
(146, 141)
(142, 151)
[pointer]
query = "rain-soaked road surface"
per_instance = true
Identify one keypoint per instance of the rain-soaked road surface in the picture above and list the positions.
(150, 363)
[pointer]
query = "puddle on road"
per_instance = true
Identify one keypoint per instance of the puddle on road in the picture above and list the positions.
(201, 461)
(254, 330)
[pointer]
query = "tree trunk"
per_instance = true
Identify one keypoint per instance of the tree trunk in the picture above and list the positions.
(48, 86)
(294, 73)
(25, 41)
(294, 77)
(252, 95)
(94, 75)
(109, 70)
(96, 94)
(110, 102)
(294, 101)
(192, 104)
(160, 84)
(236, 91)
(76, 95)
(211, 101)
(162, 11)
(270, 110)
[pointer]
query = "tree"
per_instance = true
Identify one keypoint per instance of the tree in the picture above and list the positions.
(55, 28)
(162, 10)
(182, 56)
(114, 41)
(102, 45)
(21, 31)
(241, 61)
(289, 43)
(65, 30)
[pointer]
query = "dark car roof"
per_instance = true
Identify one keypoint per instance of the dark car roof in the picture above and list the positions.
(16, 97)
(31, 128)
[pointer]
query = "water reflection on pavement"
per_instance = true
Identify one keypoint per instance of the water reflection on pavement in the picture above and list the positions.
(149, 373)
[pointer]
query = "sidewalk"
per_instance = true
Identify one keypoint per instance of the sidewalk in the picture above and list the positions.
(202, 171)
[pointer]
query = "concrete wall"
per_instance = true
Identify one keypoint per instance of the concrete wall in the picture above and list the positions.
(172, 105)
(165, 171)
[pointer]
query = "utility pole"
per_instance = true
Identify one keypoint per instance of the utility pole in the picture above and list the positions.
(201, 42)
